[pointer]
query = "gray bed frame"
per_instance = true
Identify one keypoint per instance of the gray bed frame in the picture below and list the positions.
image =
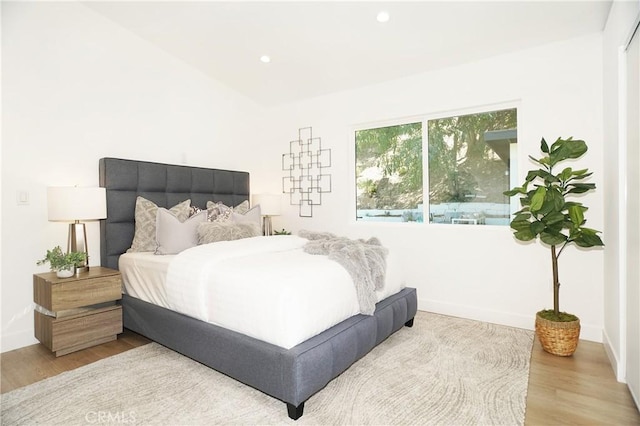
(290, 375)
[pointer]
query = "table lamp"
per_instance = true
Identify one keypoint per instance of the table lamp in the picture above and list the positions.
(270, 205)
(75, 204)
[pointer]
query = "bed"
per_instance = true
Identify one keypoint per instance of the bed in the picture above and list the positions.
(291, 375)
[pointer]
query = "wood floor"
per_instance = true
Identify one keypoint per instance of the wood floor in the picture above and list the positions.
(577, 390)
(34, 363)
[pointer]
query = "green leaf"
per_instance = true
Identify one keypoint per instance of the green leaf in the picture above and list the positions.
(537, 200)
(579, 188)
(554, 201)
(589, 231)
(576, 214)
(543, 174)
(552, 218)
(544, 161)
(515, 191)
(569, 204)
(537, 227)
(580, 177)
(563, 149)
(581, 172)
(543, 146)
(553, 239)
(520, 225)
(586, 240)
(521, 216)
(531, 176)
(535, 160)
(565, 174)
(555, 227)
(524, 235)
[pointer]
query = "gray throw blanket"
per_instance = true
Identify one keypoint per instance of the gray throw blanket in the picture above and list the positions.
(364, 260)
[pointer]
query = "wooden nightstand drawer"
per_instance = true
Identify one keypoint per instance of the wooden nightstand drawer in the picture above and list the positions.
(58, 294)
(77, 312)
(75, 332)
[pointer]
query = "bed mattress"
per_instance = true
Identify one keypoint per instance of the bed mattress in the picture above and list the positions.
(282, 296)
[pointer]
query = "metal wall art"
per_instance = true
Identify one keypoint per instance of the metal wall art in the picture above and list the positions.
(305, 163)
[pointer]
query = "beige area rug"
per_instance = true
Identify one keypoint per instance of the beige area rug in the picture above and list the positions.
(443, 371)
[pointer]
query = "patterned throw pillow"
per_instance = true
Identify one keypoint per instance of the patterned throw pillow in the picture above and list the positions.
(215, 209)
(144, 238)
(194, 210)
(211, 232)
(219, 212)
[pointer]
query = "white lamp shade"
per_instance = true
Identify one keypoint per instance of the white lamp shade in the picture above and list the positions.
(70, 203)
(270, 204)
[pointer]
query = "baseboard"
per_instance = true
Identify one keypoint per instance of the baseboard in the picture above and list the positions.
(618, 366)
(636, 398)
(587, 331)
(614, 359)
(17, 340)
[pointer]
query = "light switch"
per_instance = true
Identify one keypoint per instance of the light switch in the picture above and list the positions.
(22, 198)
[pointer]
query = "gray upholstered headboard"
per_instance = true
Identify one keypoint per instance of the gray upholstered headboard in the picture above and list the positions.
(164, 184)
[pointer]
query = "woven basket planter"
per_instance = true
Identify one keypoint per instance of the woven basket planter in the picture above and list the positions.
(558, 338)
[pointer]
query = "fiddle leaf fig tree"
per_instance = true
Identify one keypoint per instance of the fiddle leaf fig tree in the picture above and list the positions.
(548, 213)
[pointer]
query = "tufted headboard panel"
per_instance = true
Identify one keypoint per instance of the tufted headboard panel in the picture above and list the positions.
(164, 184)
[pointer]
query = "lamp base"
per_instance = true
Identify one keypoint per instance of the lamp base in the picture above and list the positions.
(267, 228)
(78, 242)
(82, 269)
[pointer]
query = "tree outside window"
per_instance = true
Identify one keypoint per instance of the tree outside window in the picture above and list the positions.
(389, 173)
(469, 168)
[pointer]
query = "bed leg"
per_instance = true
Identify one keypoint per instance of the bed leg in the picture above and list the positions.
(409, 323)
(295, 412)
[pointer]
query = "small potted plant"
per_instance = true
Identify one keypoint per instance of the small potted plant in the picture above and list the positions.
(63, 264)
(548, 214)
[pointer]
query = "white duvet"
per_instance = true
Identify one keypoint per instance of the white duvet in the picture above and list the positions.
(264, 287)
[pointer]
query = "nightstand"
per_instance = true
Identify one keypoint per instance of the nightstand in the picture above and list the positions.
(78, 312)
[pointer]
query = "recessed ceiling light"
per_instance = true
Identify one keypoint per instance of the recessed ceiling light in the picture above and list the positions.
(383, 16)
(266, 59)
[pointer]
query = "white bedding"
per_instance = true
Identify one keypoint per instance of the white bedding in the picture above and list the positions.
(264, 287)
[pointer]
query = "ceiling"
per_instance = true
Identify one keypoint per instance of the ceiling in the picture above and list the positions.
(318, 48)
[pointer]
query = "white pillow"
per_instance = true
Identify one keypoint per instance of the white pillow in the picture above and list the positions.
(174, 236)
(144, 238)
(253, 215)
(242, 208)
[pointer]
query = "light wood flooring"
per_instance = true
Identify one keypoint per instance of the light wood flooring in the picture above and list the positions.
(577, 390)
(33, 363)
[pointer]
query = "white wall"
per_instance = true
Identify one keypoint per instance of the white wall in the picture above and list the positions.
(617, 30)
(474, 272)
(76, 87)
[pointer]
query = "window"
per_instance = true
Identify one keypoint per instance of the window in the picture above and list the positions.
(468, 167)
(389, 173)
